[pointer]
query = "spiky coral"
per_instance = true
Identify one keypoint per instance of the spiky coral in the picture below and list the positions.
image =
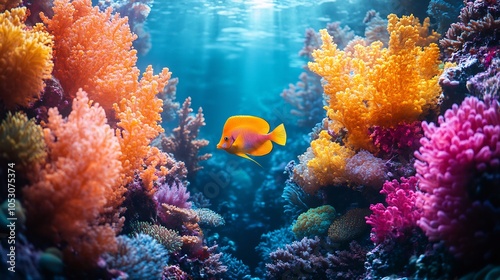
(21, 140)
(458, 167)
(25, 59)
(80, 182)
(167, 237)
(379, 86)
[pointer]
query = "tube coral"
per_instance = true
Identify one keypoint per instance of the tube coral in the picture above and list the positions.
(379, 86)
(458, 167)
(25, 59)
(77, 185)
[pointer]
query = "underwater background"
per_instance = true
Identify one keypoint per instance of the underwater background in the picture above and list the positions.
(111, 113)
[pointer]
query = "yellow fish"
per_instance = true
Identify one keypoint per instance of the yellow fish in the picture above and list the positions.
(249, 135)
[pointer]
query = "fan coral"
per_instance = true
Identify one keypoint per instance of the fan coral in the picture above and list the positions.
(25, 59)
(349, 226)
(322, 164)
(314, 222)
(80, 182)
(167, 237)
(458, 167)
(400, 215)
(93, 51)
(140, 257)
(183, 143)
(365, 169)
(21, 141)
(379, 86)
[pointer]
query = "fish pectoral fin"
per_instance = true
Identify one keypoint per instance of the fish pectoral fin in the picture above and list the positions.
(247, 157)
(263, 149)
(239, 143)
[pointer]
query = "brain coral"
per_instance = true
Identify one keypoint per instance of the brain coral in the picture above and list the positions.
(314, 222)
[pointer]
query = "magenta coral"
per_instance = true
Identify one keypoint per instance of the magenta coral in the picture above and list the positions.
(458, 167)
(400, 214)
(401, 139)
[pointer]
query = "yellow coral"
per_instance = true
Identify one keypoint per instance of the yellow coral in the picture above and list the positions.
(25, 59)
(379, 86)
(21, 140)
(323, 164)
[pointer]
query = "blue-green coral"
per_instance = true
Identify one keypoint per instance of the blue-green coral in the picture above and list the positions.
(140, 257)
(314, 222)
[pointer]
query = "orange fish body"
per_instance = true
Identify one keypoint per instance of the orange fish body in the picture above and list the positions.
(249, 135)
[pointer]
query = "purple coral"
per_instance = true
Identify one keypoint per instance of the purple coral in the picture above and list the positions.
(400, 215)
(402, 139)
(458, 167)
(170, 191)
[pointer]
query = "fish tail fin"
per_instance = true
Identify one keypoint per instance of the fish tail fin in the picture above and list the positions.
(249, 158)
(278, 135)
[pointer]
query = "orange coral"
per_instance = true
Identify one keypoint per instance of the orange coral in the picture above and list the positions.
(78, 183)
(379, 86)
(93, 51)
(25, 59)
(8, 4)
(139, 117)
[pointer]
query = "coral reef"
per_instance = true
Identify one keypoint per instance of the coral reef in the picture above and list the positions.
(21, 141)
(25, 59)
(170, 190)
(78, 185)
(209, 217)
(365, 169)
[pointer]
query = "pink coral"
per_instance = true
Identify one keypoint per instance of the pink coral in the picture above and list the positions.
(400, 214)
(458, 167)
(400, 139)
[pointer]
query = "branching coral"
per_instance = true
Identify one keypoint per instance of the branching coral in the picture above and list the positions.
(458, 167)
(400, 215)
(379, 86)
(8, 4)
(21, 141)
(80, 182)
(314, 222)
(25, 59)
(183, 144)
(139, 124)
(93, 51)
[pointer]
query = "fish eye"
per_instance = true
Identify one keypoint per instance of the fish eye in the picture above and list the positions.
(226, 138)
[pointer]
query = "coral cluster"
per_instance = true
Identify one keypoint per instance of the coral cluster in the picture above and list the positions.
(25, 59)
(79, 182)
(314, 222)
(458, 169)
(380, 86)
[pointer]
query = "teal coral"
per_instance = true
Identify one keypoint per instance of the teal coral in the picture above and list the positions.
(314, 222)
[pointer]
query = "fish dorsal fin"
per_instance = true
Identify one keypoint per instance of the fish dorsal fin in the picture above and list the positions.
(247, 157)
(256, 124)
(263, 149)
